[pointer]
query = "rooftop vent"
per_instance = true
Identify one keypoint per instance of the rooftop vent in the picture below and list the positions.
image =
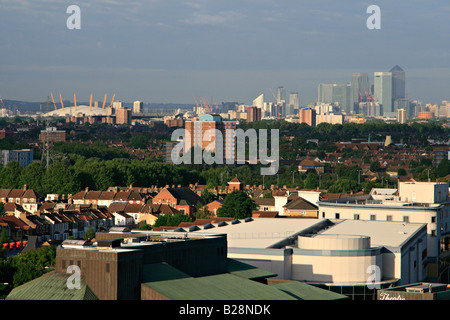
(193, 228)
(208, 226)
(222, 224)
(109, 243)
(119, 230)
(76, 243)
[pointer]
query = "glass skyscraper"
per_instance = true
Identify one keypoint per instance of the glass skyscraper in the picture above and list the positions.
(383, 92)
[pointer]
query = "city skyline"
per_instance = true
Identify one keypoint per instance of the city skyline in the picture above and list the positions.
(164, 52)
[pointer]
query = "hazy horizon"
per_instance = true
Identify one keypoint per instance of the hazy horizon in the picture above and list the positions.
(169, 51)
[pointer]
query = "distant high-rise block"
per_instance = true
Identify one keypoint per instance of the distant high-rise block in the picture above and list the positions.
(123, 116)
(401, 115)
(24, 157)
(117, 104)
(308, 116)
(383, 92)
(253, 114)
(53, 135)
(138, 106)
(196, 136)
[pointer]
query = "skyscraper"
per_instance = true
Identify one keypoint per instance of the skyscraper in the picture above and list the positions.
(325, 93)
(342, 94)
(360, 90)
(294, 103)
(259, 101)
(383, 92)
(398, 83)
(281, 95)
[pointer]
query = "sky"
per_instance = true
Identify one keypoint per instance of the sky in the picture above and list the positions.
(170, 51)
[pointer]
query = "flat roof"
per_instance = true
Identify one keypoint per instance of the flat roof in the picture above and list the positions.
(260, 232)
(382, 233)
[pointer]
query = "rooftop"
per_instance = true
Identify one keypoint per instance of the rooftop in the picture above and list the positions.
(259, 232)
(382, 233)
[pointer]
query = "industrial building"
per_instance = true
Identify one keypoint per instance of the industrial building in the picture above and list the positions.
(339, 256)
(413, 202)
(123, 265)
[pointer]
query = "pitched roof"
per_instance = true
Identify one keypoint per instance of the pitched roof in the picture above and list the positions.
(235, 180)
(79, 195)
(107, 195)
(265, 201)
(93, 195)
(16, 193)
(159, 209)
(14, 223)
(117, 207)
(186, 194)
(30, 194)
(4, 193)
(51, 286)
(122, 195)
(300, 204)
(133, 208)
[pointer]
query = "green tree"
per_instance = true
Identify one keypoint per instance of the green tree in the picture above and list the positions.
(139, 142)
(10, 175)
(238, 205)
(59, 178)
(208, 196)
(375, 166)
(32, 176)
(169, 220)
(90, 234)
(4, 237)
(443, 168)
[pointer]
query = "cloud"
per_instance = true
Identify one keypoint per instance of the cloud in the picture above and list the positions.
(222, 17)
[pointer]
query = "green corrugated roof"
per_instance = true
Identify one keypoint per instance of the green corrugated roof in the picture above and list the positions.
(161, 272)
(218, 287)
(247, 271)
(303, 291)
(51, 286)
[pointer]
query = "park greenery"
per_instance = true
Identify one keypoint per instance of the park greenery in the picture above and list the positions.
(23, 267)
(97, 165)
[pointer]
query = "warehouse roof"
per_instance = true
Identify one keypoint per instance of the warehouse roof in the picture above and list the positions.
(217, 287)
(51, 286)
(303, 291)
